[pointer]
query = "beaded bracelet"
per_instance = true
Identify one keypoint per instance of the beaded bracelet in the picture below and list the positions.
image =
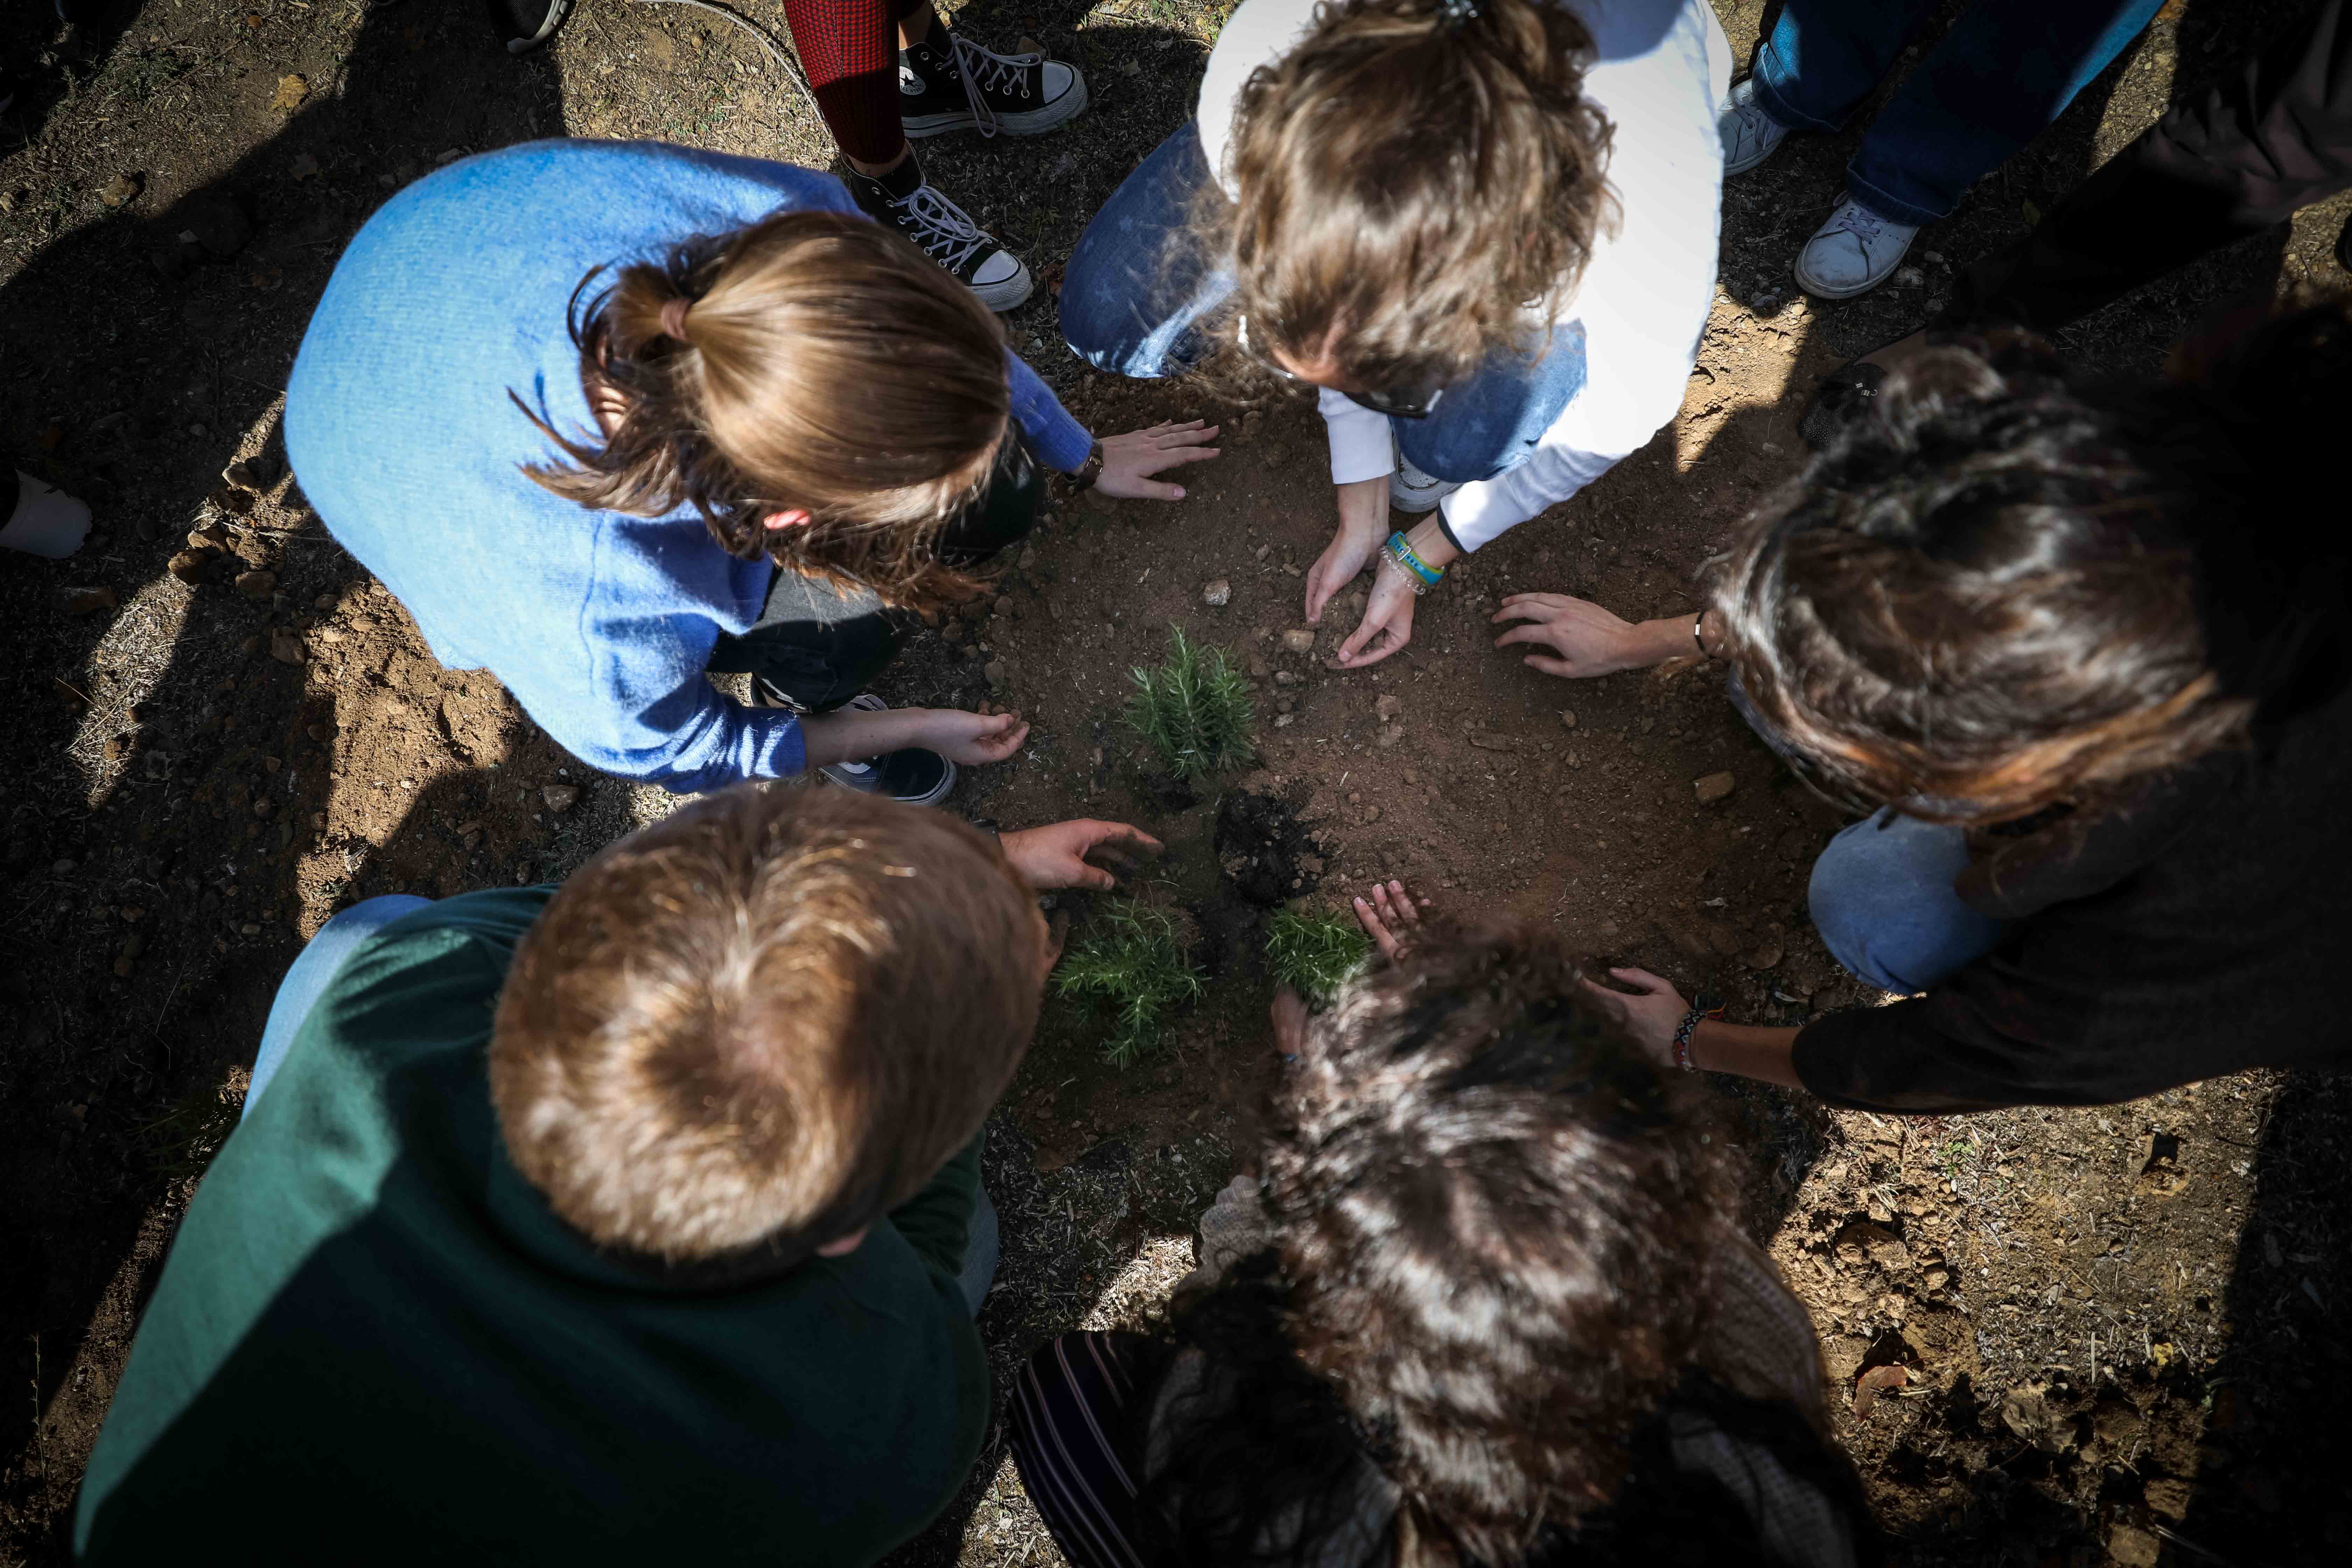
(1701, 1006)
(1419, 574)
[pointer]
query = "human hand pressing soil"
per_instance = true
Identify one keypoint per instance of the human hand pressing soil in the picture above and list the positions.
(1586, 640)
(1130, 461)
(1390, 917)
(1081, 853)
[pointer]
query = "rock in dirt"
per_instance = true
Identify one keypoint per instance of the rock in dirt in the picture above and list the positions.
(257, 584)
(559, 797)
(1298, 640)
(1387, 708)
(1764, 955)
(229, 499)
(1713, 787)
(2128, 1546)
(191, 566)
(1390, 734)
(292, 91)
(122, 190)
(1218, 594)
(1568, 719)
(2167, 1495)
(257, 472)
(286, 648)
(997, 673)
(89, 601)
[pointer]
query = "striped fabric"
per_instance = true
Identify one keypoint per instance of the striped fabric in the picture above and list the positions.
(1072, 1440)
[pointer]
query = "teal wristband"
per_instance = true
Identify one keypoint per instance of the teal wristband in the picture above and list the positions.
(1401, 551)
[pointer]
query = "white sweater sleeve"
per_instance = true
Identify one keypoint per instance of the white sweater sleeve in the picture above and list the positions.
(1646, 290)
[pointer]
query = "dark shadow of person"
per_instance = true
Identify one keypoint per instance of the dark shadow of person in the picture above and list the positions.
(163, 775)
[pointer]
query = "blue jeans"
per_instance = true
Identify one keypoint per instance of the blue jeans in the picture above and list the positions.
(2006, 69)
(314, 970)
(1881, 898)
(1139, 283)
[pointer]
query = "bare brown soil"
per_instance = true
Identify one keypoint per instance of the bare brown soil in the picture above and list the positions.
(2115, 1330)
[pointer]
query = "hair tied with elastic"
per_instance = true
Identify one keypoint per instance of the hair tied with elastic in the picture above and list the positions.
(1456, 13)
(673, 318)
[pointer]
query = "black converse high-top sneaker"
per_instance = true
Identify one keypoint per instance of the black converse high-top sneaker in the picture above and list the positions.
(942, 231)
(947, 83)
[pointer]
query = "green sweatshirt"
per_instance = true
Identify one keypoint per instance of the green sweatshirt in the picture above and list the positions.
(373, 1342)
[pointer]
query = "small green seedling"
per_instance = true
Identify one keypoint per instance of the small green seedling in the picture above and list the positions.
(1130, 963)
(1315, 954)
(1194, 710)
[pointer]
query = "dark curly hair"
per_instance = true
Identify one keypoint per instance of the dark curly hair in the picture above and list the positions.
(2009, 587)
(1496, 1222)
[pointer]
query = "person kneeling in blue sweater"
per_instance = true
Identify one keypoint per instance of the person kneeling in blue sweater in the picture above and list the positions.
(606, 416)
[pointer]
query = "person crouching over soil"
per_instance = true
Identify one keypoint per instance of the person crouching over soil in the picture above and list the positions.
(2081, 647)
(1484, 1307)
(608, 415)
(1484, 230)
(635, 1220)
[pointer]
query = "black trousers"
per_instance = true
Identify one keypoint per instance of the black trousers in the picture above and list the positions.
(817, 645)
(2274, 137)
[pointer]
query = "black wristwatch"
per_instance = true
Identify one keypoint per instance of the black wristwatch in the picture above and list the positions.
(1088, 471)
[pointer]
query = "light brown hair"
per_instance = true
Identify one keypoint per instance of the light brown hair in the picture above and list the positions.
(764, 1022)
(827, 364)
(1408, 187)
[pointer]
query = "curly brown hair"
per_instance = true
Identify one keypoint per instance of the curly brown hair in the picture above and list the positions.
(1410, 186)
(827, 364)
(2010, 587)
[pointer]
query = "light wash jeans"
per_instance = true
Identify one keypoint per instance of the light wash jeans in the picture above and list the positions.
(315, 968)
(2006, 69)
(1881, 898)
(1138, 286)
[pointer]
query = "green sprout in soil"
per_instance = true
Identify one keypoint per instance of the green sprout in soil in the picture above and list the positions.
(1194, 710)
(1130, 963)
(1315, 954)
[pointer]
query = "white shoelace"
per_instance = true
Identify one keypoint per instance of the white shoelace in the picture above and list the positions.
(944, 229)
(985, 70)
(1851, 218)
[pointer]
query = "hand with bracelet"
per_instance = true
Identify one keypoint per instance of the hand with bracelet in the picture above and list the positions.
(1127, 465)
(1364, 537)
(1678, 1034)
(1586, 640)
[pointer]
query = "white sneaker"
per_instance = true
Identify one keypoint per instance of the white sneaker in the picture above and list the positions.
(1852, 253)
(1410, 489)
(1748, 134)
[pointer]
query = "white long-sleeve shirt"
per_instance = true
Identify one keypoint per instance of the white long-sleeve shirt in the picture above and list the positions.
(1661, 68)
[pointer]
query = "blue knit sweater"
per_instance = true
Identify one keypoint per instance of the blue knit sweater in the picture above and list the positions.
(400, 429)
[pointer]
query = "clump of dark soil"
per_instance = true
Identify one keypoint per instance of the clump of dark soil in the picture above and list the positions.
(1266, 855)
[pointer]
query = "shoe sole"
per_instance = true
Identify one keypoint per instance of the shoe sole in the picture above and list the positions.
(1416, 506)
(938, 793)
(1009, 294)
(1030, 122)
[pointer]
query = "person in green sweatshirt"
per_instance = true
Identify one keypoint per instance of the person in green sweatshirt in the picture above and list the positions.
(634, 1220)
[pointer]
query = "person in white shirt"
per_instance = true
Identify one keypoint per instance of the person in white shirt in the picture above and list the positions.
(1484, 230)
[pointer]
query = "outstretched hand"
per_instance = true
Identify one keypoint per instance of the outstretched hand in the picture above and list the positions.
(1131, 461)
(1652, 1008)
(1390, 917)
(1081, 853)
(973, 740)
(1584, 640)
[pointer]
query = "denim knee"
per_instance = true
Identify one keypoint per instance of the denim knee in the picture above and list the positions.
(1883, 901)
